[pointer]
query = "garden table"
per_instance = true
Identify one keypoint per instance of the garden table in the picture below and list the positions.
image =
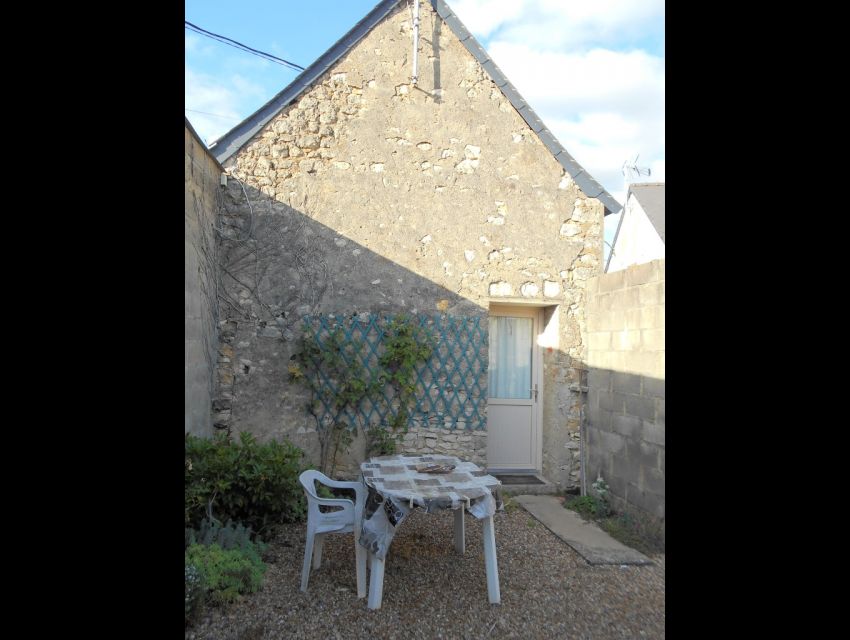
(396, 487)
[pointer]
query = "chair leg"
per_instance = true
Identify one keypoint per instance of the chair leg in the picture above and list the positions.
(308, 558)
(360, 554)
(317, 550)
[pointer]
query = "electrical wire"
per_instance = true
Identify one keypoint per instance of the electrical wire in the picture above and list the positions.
(207, 113)
(238, 45)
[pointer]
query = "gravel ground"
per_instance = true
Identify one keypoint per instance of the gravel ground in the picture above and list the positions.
(548, 590)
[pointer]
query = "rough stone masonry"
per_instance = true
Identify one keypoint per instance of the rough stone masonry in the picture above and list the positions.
(368, 194)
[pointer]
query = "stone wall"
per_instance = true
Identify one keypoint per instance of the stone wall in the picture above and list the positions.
(203, 199)
(625, 425)
(371, 195)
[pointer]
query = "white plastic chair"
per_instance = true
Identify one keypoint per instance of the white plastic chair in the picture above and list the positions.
(345, 519)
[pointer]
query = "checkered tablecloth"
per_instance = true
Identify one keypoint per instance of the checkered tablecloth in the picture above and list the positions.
(395, 485)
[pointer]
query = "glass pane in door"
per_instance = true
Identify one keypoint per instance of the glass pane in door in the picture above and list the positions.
(510, 357)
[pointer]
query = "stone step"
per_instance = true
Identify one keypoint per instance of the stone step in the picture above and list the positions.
(530, 489)
(537, 489)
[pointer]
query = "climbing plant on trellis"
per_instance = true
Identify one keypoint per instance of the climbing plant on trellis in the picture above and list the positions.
(450, 388)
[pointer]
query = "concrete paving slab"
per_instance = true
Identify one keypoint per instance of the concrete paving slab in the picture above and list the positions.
(591, 542)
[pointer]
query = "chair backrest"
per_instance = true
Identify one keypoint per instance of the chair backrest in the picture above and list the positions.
(342, 511)
(308, 481)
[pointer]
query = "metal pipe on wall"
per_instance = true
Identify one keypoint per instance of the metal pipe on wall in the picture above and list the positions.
(415, 42)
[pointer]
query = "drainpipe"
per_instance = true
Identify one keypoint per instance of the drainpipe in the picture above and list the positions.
(582, 435)
(415, 42)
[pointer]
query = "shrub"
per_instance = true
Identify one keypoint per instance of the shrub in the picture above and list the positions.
(226, 572)
(595, 504)
(381, 442)
(509, 504)
(588, 506)
(228, 536)
(600, 489)
(635, 529)
(256, 484)
(331, 354)
(195, 591)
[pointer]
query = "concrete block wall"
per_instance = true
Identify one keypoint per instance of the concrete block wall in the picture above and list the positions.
(625, 414)
(202, 197)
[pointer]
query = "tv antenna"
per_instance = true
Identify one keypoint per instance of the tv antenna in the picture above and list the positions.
(632, 171)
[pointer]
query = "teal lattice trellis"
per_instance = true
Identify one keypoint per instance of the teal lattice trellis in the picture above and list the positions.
(451, 387)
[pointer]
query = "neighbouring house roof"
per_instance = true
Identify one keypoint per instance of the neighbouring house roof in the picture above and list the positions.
(651, 198)
(228, 144)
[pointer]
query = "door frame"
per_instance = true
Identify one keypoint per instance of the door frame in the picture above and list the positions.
(534, 311)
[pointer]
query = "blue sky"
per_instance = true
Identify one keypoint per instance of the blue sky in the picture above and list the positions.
(593, 70)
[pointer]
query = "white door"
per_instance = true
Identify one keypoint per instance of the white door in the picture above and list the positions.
(513, 437)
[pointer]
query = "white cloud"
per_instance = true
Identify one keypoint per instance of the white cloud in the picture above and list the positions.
(485, 16)
(227, 86)
(657, 171)
(196, 45)
(604, 107)
(220, 102)
(554, 24)
(582, 79)
(190, 42)
(590, 71)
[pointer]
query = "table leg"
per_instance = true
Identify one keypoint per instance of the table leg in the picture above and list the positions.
(460, 533)
(490, 562)
(376, 582)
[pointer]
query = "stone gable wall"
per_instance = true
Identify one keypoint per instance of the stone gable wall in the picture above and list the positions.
(372, 195)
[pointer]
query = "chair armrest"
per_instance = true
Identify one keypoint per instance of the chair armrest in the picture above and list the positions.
(333, 502)
(341, 484)
(359, 488)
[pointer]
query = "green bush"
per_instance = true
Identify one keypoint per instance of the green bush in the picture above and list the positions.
(226, 572)
(256, 484)
(638, 530)
(195, 591)
(588, 506)
(381, 441)
(228, 536)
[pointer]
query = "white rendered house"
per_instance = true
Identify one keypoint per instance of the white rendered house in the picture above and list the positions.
(640, 233)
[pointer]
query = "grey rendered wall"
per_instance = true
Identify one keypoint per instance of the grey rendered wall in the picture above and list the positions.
(626, 418)
(202, 188)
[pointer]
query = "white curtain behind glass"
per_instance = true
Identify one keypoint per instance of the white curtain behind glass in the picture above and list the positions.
(510, 357)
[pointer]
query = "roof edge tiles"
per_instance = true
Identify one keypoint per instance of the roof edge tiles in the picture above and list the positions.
(232, 141)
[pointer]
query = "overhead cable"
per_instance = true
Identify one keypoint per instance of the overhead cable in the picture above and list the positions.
(243, 47)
